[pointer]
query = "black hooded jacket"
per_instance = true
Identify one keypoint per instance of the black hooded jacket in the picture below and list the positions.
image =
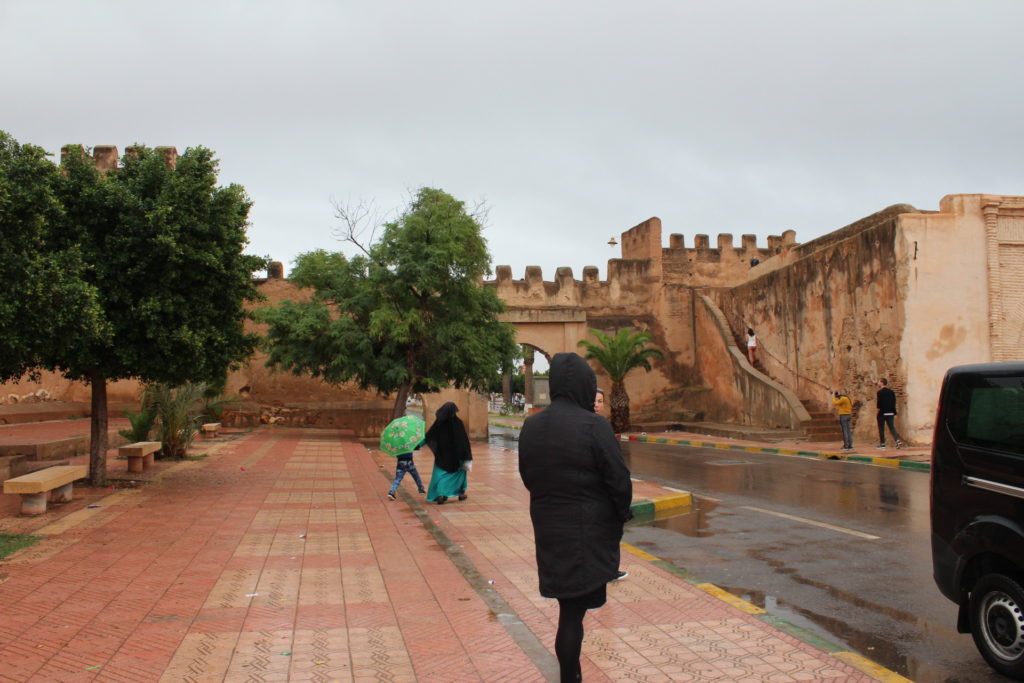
(579, 486)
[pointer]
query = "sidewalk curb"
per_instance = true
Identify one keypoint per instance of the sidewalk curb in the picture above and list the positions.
(823, 455)
(828, 647)
(651, 507)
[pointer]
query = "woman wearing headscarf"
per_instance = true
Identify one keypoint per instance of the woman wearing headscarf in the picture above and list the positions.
(580, 493)
(448, 440)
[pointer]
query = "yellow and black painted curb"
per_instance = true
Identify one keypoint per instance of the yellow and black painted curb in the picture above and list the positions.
(660, 506)
(823, 455)
(855, 660)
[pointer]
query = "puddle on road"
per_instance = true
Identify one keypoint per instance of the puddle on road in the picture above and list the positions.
(503, 437)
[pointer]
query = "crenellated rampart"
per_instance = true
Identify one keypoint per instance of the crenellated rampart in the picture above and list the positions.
(629, 283)
(645, 264)
(651, 288)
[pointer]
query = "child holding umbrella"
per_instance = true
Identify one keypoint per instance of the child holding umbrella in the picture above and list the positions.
(400, 438)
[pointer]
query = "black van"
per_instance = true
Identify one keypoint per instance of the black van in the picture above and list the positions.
(977, 507)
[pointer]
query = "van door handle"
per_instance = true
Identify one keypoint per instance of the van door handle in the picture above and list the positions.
(995, 486)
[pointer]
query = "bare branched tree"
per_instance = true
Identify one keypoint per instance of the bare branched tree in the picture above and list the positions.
(357, 218)
(481, 212)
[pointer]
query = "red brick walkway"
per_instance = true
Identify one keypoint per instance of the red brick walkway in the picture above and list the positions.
(280, 558)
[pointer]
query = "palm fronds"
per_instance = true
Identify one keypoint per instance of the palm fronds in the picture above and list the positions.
(141, 422)
(176, 409)
(618, 355)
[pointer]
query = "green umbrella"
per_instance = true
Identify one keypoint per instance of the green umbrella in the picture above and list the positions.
(402, 435)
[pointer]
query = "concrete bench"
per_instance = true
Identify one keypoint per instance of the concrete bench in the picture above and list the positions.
(211, 428)
(36, 487)
(140, 454)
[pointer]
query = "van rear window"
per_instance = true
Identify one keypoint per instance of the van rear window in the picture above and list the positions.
(990, 416)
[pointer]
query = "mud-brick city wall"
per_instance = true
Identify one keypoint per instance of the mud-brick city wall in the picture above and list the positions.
(554, 316)
(829, 314)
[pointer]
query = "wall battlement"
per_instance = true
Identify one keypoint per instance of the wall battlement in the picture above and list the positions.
(643, 241)
(645, 262)
(703, 251)
(629, 281)
(106, 157)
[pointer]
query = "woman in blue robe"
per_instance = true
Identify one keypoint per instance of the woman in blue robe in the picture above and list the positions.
(448, 439)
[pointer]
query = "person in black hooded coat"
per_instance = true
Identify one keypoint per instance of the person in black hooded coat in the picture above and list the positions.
(580, 493)
(448, 439)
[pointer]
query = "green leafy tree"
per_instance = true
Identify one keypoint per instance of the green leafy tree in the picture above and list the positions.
(407, 315)
(161, 250)
(46, 303)
(618, 355)
(517, 383)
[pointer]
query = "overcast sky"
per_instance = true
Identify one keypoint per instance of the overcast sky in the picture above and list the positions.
(573, 120)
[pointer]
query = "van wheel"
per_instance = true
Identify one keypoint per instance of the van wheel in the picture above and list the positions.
(997, 623)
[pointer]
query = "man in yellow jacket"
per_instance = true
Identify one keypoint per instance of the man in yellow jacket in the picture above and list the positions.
(844, 407)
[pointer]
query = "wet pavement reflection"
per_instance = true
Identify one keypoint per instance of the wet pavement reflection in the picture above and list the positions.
(875, 597)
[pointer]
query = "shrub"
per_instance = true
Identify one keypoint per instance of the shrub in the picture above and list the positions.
(141, 422)
(177, 414)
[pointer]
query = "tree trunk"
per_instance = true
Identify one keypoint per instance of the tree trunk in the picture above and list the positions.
(400, 398)
(98, 427)
(620, 408)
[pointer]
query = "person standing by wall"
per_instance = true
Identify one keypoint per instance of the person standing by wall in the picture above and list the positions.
(751, 345)
(580, 493)
(844, 408)
(885, 402)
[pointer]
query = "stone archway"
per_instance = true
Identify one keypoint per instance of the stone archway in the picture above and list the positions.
(550, 331)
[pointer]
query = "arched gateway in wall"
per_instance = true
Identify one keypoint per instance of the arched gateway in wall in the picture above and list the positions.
(550, 331)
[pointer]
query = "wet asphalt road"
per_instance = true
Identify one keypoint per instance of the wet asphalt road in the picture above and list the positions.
(840, 549)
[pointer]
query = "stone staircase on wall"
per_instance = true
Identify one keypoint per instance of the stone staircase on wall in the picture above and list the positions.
(824, 425)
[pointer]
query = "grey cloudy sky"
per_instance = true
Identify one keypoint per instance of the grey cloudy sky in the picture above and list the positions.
(574, 120)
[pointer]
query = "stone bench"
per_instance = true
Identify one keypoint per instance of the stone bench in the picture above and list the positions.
(54, 483)
(211, 428)
(140, 454)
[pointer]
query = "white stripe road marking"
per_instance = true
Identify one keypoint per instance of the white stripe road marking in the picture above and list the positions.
(858, 534)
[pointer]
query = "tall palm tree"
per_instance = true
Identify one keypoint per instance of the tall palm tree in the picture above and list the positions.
(618, 355)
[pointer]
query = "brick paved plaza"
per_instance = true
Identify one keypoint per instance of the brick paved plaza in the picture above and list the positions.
(279, 558)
